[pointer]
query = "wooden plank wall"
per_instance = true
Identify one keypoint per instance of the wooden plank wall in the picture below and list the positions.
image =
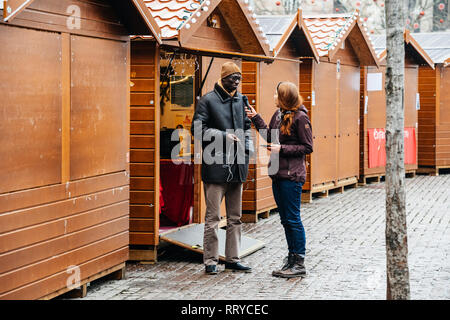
(144, 144)
(428, 79)
(376, 116)
(334, 118)
(97, 18)
(443, 123)
(258, 194)
(220, 38)
(68, 204)
(323, 164)
(411, 112)
(249, 88)
(362, 121)
(348, 123)
(306, 88)
(348, 113)
(45, 230)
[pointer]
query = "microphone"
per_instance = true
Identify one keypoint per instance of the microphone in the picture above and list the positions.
(246, 100)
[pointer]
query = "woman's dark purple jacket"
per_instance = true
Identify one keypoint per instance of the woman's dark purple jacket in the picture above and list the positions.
(294, 147)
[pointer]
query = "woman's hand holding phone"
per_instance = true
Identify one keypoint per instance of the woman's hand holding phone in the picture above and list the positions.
(250, 111)
(272, 147)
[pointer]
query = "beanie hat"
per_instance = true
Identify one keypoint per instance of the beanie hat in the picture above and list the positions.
(229, 68)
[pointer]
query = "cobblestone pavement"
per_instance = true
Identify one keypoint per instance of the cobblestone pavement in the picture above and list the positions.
(345, 254)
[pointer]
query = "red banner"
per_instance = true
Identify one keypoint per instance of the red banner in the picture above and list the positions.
(377, 147)
(410, 146)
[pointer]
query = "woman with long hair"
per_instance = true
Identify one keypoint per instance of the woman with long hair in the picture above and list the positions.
(290, 143)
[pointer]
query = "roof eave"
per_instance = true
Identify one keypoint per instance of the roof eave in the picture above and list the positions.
(185, 33)
(287, 33)
(297, 22)
(355, 23)
(264, 46)
(149, 20)
(411, 41)
(302, 25)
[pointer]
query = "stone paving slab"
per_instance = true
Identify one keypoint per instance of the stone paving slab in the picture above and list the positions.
(345, 254)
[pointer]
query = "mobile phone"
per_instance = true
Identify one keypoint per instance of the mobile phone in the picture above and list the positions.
(265, 145)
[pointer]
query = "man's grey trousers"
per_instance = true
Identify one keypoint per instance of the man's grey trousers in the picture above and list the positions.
(214, 194)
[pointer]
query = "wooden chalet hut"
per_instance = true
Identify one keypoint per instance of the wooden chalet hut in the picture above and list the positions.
(434, 112)
(291, 43)
(64, 201)
(166, 80)
(373, 110)
(331, 92)
(331, 49)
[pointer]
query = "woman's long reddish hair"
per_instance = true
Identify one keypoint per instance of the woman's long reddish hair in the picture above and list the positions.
(288, 99)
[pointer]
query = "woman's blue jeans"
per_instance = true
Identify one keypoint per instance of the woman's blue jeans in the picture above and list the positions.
(287, 195)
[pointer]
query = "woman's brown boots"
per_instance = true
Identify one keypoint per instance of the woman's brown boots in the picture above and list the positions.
(293, 267)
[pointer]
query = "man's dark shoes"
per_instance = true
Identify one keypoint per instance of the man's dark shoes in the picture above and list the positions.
(236, 266)
(211, 269)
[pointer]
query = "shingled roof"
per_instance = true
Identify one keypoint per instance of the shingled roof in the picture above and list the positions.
(325, 30)
(178, 19)
(328, 31)
(172, 14)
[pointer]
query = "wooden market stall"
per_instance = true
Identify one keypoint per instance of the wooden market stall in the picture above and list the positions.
(166, 80)
(331, 92)
(373, 110)
(434, 113)
(291, 43)
(64, 75)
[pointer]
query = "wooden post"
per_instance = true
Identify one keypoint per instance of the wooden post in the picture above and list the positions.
(396, 230)
(66, 57)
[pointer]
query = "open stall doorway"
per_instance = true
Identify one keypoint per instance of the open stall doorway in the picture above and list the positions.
(179, 72)
(184, 79)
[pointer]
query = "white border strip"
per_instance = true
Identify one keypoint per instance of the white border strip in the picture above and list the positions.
(17, 10)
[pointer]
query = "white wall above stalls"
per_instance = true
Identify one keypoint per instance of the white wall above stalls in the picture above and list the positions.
(1, 4)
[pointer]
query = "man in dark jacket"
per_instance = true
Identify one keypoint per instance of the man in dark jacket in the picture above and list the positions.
(222, 126)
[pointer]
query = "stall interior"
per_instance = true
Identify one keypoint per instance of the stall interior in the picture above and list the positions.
(179, 72)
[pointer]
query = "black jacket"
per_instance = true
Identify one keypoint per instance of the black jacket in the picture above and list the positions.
(217, 112)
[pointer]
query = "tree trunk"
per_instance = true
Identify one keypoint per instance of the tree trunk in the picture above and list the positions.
(396, 231)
